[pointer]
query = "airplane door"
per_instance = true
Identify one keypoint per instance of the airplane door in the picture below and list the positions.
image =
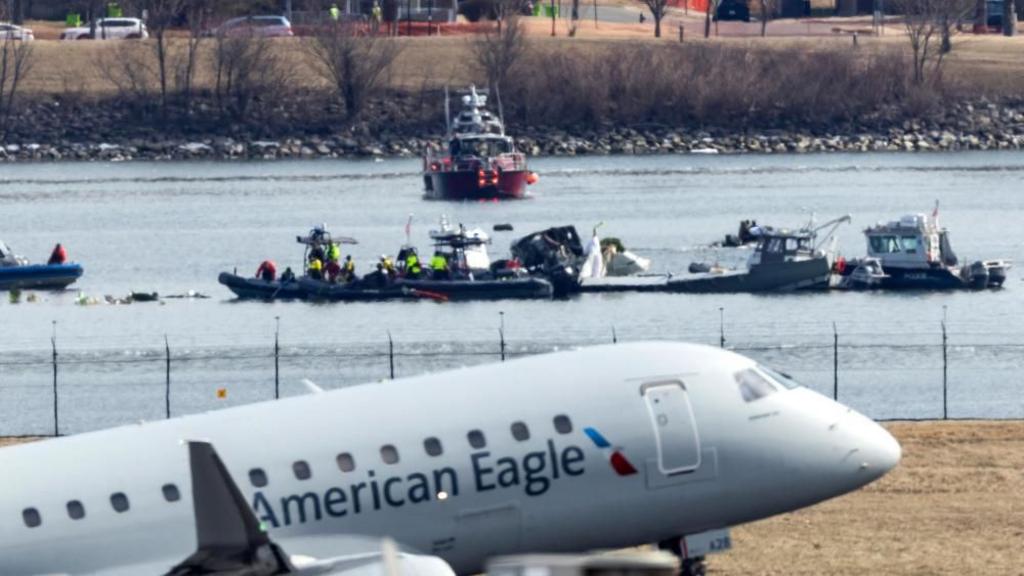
(675, 428)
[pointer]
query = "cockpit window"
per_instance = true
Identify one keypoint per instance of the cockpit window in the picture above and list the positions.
(753, 385)
(780, 378)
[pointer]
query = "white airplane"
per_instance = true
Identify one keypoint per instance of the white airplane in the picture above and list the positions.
(604, 447)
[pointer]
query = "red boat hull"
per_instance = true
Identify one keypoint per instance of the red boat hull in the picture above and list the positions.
(466, 185)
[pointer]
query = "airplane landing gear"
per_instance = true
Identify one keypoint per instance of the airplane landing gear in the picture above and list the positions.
(687, 566)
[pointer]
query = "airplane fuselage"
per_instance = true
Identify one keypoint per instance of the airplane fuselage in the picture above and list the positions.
(606, 447)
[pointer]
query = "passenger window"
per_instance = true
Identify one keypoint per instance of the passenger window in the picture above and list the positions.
(389, 454)
(346, 463)
(520, 432)
(258, 477)
(171, 493)
(301, 470)
(75, 510)
(562, 424)
(476, 439)
(432, 446)
(31, 517)
(119, 502)
(753, 385)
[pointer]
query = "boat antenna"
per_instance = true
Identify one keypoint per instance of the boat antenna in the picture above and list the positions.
(501, 112)
(447, 112)
(408, 230)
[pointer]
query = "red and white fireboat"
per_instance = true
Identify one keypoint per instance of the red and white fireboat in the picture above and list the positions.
(481, 162)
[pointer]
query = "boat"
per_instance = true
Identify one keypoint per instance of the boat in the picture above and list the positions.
(17, 273)
(915, 253)
(315, 243)
(480, 162)
(260, 289)
(865, 274)
(470, 275)
(783, 260)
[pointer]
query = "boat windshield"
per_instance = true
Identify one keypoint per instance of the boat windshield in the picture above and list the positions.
(884, 244)
(481, 147)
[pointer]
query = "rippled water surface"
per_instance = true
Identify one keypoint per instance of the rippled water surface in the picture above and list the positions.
(172, 227)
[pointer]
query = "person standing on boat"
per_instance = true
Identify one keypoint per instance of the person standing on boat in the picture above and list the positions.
(316, 269)
(287, 275)
(439, 267)
(348, 271)
(412, 265)
(58, 256)
(267, 271)
(388, 266)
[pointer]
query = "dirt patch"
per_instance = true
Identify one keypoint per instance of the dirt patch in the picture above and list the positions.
(954, 505)
(16, 440)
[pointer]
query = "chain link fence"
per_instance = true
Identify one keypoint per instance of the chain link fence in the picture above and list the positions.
(58, 391)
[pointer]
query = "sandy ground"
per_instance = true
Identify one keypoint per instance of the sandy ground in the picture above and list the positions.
(954, 505)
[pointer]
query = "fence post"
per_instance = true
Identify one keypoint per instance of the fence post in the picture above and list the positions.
(945, 373)
(501, 333)
(391, 354)
(835, 363)
(615, 338)
(53, 345)
(277, 357)
(721, 327)
(167, 385)
(680, 33)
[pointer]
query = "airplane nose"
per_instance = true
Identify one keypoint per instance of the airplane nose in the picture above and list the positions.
(879, 452)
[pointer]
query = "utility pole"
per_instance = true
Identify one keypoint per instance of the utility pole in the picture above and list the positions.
(552, 18)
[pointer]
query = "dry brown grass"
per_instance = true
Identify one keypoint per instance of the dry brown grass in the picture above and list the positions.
(71, 67)
(6, 441)
(955, 505)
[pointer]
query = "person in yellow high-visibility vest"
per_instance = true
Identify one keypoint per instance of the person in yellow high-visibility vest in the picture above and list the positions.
(376, 15)
(439, 267)
(334, 12)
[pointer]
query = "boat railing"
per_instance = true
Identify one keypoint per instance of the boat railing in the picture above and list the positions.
(436, 162)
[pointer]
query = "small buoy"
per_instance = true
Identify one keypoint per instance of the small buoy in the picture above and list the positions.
(532, 178)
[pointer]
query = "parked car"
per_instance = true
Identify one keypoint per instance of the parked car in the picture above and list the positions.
(259, 26)
(11, 32)
(109, 29)
(733, 10)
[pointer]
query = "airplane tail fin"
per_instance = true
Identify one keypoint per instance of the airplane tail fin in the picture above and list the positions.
(228, 533)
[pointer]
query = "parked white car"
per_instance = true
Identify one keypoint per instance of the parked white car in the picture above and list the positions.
(11, 32)
(109, 29)
(257, 26)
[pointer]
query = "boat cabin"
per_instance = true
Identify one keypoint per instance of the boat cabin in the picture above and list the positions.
(913, 241)
(778, 245)
(465, 250)
(480, 146)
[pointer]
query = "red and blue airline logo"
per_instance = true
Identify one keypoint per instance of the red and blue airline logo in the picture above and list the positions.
(619, 462)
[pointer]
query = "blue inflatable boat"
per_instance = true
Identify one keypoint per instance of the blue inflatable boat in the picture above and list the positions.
(17, 274)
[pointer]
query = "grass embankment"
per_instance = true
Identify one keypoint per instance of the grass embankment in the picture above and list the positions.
(954, 505)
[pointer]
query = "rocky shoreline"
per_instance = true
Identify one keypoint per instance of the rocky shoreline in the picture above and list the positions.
(967, 126)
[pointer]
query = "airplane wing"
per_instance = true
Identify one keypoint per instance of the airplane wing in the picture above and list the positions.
(231, 541)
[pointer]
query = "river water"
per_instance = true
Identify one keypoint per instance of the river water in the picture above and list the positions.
(172, 227)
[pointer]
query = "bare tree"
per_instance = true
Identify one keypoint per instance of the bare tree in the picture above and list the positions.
(927, 21)
(712, 8)
(658, 9)
(15, 63)
(353, 62)
(1009, 18)
(498, 51)
(246, 69)
(768, 8)
(161, 15)
(131, 70)
(197, 13)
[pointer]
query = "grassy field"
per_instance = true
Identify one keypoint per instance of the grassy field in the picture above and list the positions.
(74, 68)
(954, 505)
